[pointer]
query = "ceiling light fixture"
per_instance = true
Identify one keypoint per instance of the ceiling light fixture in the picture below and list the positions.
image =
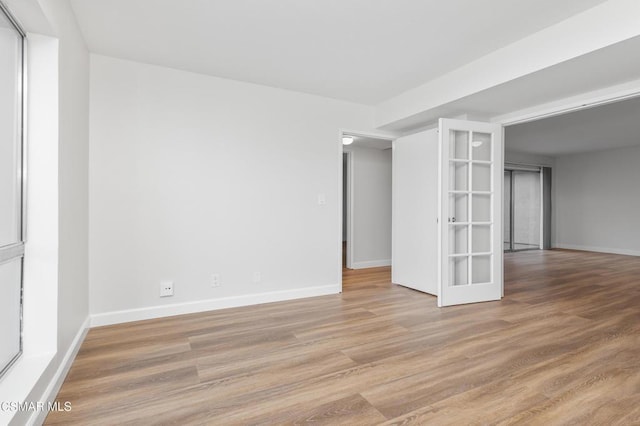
(347, 140)
(476, 144)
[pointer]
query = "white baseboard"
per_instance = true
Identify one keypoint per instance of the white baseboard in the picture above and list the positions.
(51, 392)
(151, 312)
(597, 249)
(371, 264)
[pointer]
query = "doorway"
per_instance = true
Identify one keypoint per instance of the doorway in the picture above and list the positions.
(522, 209)
(366, 201)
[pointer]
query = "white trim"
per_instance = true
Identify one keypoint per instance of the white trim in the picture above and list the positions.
(117, 317)
(340, 205)
(350, 209)
(350, 239)
(394, 203)
(371, 264)
(523, 167)
(51, 392)
(380, 134)
(597, 249)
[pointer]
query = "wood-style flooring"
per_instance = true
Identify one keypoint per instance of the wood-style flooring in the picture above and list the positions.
(562, 347)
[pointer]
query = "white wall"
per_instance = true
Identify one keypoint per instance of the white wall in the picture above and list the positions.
(192, 175)
(73, 178)
(597, 203)
(371, 206)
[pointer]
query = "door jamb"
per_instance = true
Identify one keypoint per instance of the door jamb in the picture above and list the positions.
(349, 206)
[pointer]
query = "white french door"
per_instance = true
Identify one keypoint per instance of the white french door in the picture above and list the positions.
(470, 212)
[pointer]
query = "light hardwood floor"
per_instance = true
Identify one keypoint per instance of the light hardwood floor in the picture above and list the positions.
(562, 347)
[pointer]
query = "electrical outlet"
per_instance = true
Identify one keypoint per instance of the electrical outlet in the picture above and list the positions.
(215, 280)
(257, 277)
(166, 288)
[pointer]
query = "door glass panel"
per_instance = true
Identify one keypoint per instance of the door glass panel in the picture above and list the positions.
(481, 238)
(481, 147)
(472, 220)
(481, 177)
(459, 239)
(481, 207)
(459, 207)
(459, 176)
(10, 289)
(507, 210)
(10, 124)
(458, 271)
(526, 210)
(459, 145)
(481, 266)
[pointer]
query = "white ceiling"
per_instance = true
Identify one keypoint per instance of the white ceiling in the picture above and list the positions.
(615, 125)
(363, 51)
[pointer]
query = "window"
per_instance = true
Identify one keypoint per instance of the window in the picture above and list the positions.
(12, 232)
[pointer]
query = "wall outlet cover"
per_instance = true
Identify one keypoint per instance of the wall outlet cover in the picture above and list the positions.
(166, 288)
(215, 280)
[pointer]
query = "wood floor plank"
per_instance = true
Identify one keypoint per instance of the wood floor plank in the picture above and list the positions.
(560, 348)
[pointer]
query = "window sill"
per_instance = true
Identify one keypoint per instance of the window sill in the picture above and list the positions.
(20, 380)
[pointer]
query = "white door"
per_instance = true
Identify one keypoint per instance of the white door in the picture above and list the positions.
(470, 212)
(415, 211)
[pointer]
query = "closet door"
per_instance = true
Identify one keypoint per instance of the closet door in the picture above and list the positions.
(470, 243)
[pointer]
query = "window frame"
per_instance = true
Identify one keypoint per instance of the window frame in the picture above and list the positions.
(16, 251)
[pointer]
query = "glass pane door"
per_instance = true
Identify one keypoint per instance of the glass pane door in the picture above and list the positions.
(470, 238)
(470, 193)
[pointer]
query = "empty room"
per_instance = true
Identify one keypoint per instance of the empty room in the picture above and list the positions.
(355, 212)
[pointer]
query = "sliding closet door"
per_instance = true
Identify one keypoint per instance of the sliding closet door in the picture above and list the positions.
(527, 213)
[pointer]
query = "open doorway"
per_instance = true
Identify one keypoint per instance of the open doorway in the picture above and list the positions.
(366, 201)
(593, 153)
